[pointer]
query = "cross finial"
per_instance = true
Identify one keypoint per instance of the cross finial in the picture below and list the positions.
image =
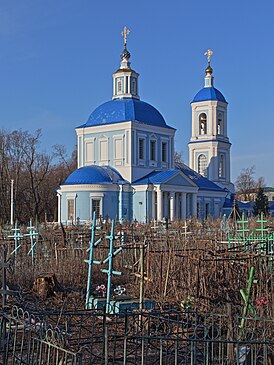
(208, 53)
(125, 33)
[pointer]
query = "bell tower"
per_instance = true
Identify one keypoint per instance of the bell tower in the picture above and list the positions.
(209, 146)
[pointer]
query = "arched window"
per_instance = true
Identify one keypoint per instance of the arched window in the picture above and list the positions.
(202, 124)
(202, 165)
(220, 124)
(222, 166)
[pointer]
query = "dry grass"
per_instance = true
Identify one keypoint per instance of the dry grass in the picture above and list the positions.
(193, 267)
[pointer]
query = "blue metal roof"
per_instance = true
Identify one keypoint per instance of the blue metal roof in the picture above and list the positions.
(209, 93)
(94, 175)
(202, 182)
(229, 203)
(123, 110)
(159, 177)
(155, 177)
(271, 205)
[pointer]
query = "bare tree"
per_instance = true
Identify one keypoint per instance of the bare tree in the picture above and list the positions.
(178, 157)
(261, 182)
(245, 182)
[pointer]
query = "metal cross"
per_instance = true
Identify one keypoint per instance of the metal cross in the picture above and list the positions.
(208, 53)
(91, 261)
(125, 33)
(112, 253)
(32, 234)
(17, 236)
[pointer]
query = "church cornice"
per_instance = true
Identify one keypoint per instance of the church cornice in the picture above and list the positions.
(210, 140)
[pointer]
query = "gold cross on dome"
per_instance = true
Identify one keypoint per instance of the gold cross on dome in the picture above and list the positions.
(208, 53)
(125, 33)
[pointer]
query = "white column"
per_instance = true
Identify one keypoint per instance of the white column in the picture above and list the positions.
(159, 204)
(172, 205)
(153, 204)
(11, 201)
(183, 206)
(120, 208)
(194, 205)
(59, 207)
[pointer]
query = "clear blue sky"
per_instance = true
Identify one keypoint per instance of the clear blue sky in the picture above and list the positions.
(57, 59)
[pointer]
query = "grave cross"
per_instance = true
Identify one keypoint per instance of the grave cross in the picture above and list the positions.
(93, 244)
(32, 234)
(17, 236)
(246, 296)
(109, 260)
(262, 230)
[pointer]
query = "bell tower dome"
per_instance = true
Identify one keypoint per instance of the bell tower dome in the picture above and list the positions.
(125, 80)
(209, 146)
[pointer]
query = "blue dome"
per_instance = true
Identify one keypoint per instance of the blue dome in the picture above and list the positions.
(124, 110)
(209, 93)
(89, 175)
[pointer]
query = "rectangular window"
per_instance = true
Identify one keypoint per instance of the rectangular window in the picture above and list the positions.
(120, 85)
(89, 152)
(164, 152)
(118, 149)
(153, 150)
(103, 150)
(133, 85)
(141, 149)
(71, 206)
(96, 205)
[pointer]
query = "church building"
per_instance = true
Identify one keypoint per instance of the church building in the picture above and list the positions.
(126, 166)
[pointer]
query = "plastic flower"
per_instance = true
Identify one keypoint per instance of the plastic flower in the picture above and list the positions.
(261, 301)
(119, 290)
(101, 288)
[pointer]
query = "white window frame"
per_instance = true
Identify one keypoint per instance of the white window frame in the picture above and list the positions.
(220, 132)
(120, 81)
(118, 161)
(133, 85)
(221, 168)
(73, 198)
(166, 141)
(89, 141)
(143, 141)
(205, 130)
(203, 172)
(144, 138)
(103, 162)
(96, 196)
(153, 162)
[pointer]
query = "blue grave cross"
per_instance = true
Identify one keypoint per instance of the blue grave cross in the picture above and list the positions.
(109, 260)
(33, 239)
(93, 244)
(17, 236)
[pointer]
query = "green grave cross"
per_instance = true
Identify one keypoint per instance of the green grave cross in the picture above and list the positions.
(246, 296)
(262, 230)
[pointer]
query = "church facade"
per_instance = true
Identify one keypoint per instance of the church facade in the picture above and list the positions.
(126, 166)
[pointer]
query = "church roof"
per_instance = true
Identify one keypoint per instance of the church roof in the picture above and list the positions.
(209, 93)
(156, 177)
(159, 177)
(94, 175)
(202, 182)
(124, 110)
